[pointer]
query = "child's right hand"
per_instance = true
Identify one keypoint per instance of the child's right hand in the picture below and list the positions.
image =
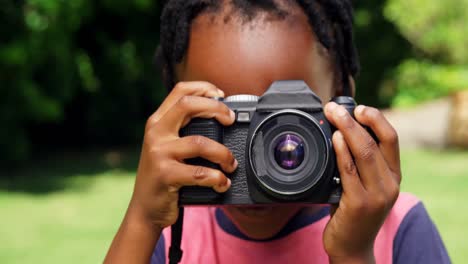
(161, 171)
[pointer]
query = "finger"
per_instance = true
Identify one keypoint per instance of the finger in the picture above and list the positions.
(199, 146)
(362, 146)
(191, 175)
(181, 89)
(382, 195)
(349, 176)
(385, 132)
(189, 107)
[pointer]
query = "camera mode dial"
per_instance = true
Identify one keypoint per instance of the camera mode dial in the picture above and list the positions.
(241, 98)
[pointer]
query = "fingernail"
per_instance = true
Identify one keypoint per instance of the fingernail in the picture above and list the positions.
(330, 107)
(233, 115)
(359, 109)
(220, 92)
(236, 163)
(341, 111)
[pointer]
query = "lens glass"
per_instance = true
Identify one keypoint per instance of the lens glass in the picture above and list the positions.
(289, 151)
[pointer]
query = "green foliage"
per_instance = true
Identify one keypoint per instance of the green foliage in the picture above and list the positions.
(376, 39)
(439, 28)
(75, 72)
(438, 31)
(422, 81)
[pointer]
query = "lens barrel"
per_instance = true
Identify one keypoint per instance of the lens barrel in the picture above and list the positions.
(288, 153)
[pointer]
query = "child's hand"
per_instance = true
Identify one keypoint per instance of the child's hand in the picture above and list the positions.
(370, 175)
(161, 171)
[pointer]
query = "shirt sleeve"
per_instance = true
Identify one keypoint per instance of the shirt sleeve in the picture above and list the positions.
(159, 253)
(418, 241)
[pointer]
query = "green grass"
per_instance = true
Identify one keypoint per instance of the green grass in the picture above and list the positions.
(67, 209)
(440, 179)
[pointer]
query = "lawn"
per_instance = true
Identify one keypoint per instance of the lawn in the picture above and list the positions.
(66, 209)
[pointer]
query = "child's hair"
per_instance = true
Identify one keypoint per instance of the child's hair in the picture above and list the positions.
(331, 20)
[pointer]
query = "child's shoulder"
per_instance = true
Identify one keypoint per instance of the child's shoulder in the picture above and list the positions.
(403, 211)
(412, 233)
(404, 204)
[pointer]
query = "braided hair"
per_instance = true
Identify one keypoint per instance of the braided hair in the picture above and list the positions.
(331, 21)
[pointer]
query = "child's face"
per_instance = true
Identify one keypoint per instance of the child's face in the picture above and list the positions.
(245, 58)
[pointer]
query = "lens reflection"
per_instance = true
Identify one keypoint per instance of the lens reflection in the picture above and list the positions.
(289, 151)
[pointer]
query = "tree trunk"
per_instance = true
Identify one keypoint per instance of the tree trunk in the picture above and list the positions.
(458, 132)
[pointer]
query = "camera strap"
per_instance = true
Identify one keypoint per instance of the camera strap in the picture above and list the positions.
(175, 252)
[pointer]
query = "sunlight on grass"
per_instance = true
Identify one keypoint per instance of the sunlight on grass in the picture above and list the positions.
(64, 227)
(440, 179)
(75, 224)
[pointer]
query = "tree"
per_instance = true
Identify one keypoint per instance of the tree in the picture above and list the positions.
(438, 31)
(75, 72)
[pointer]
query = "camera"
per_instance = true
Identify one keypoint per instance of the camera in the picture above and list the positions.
(282, 141)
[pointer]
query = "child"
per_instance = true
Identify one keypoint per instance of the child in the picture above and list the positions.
(215, 48)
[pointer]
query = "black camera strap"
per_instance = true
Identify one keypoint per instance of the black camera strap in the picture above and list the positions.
(175, 252)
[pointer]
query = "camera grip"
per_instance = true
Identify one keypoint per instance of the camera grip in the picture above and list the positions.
(209, 128)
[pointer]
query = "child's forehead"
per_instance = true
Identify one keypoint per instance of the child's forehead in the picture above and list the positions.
(234, 54)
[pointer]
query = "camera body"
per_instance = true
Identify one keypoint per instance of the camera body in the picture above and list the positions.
(282, 141)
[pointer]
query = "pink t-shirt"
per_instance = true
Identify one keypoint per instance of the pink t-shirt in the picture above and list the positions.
(210, 237)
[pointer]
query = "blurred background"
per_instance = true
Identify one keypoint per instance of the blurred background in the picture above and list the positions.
(77, 83)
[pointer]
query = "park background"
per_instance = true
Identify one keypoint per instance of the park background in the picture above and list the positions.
(77, 82)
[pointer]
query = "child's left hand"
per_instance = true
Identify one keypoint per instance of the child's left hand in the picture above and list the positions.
(370, 175)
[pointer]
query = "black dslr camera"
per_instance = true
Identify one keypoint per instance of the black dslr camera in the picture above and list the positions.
(282, 142)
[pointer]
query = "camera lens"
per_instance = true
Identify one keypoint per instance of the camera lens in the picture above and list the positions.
(288, 154)
(289, 151)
